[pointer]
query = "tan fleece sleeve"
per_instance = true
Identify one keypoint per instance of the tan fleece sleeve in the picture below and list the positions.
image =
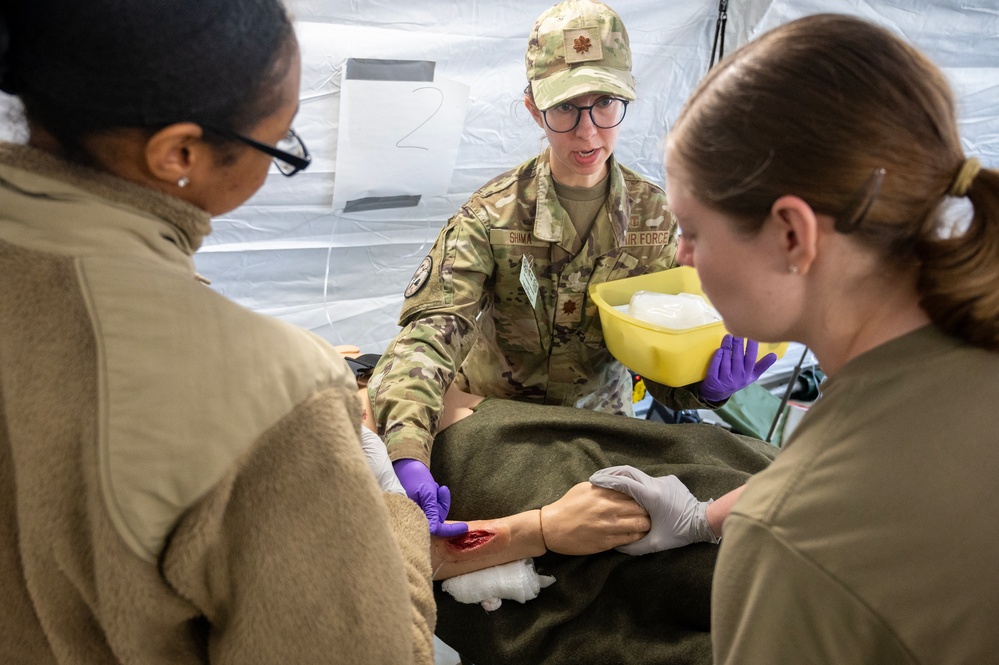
(413, 536)
(295, 557)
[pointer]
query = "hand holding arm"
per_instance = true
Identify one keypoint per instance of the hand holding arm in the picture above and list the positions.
(678, 518)
(733, 367)
(434, 499)
(585, 520)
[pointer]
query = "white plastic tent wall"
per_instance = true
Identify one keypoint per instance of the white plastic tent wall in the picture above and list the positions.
(289, 252)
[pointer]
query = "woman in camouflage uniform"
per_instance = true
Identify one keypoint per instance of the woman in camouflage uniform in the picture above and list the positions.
(499, 307)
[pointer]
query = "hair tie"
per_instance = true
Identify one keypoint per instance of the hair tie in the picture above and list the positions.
(965, 176)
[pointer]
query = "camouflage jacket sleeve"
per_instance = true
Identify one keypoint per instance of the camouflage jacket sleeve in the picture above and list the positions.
(438, 327)
(683, 398)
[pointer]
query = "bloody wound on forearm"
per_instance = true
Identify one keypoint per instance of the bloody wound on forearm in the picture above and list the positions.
(471, 540)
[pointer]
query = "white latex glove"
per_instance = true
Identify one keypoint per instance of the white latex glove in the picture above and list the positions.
(678, 518)
(377, 455)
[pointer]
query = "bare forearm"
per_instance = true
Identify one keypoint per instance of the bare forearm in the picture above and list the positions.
(488, 543)
(719, 510)
(585, 520)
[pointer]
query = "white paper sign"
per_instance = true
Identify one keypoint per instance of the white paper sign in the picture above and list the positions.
(398, 140)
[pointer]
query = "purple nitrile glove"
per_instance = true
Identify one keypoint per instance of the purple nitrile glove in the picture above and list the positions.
(432, 498)
(733, 368)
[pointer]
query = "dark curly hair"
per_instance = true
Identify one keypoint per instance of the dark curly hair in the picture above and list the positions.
(82, 68)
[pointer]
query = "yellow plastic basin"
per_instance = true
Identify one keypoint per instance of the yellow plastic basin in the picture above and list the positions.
(672, 357)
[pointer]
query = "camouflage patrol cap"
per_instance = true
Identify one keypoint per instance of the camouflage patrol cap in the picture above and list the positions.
(578, 47)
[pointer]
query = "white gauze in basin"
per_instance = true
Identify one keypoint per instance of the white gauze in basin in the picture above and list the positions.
(670, 310)
(513, 581)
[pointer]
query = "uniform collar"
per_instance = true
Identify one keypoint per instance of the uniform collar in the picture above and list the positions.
(192, 222)
(552, 224)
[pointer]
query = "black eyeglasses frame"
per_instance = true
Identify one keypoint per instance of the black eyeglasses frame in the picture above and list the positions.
(588, 109)
(298, 163)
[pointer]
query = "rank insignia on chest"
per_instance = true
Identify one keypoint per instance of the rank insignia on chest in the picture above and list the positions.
(419, 277)
(570, 308)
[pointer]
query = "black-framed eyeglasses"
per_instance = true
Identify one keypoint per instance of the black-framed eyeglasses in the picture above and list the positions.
(290, 154)
(605, 113)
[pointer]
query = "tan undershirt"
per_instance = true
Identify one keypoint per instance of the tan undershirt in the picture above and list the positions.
(582, 204)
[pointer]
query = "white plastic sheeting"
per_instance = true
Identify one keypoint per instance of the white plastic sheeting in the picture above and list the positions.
(287, 252)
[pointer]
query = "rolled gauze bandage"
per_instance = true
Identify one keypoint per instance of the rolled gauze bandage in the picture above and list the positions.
(513, 581)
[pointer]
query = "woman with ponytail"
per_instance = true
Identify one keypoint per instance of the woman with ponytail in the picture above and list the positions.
(812, 174)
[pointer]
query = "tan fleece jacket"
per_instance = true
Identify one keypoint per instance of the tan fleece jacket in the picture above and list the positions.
(181, 480)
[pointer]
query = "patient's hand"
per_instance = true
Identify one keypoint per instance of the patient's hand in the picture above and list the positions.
(590, 519)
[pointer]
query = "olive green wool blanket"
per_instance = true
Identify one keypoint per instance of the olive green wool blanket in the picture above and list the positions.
(603, 609)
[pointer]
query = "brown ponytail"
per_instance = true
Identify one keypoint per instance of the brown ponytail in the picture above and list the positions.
(959, 280)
